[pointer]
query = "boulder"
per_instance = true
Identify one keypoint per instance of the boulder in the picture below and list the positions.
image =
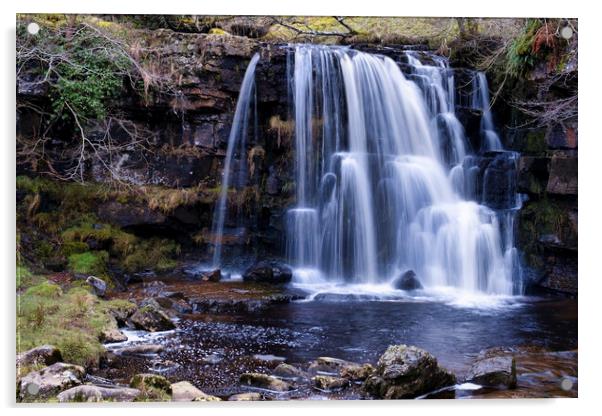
(92, 393)
(357, 372)
(493, 372)
(143, 349)
(151, 318)
(264, 381)
(112, 335)
(268, 272)
(328, 365)
(44, 355)
(405, 372)
(563, 176)
(185, 391)
(287, 371)
(245, 397)
(98, 285)
(50, 381)
(212, 276)
(178, 305)
(407, 281)
(330, 383)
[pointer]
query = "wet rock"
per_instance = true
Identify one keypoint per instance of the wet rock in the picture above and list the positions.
(407, 281)
(184, 391)
(264, 381)
(151, 318)
(268, 272)
(212, 276)
(112, 335)
(49, 381)
(287, 371)
(499, 179)
(268, 358)
(128, 215)
(98, 285)
(154, 288)
(357, 372)
(493, 371)
(147, 382)
(44, 355)
(328, 365)
(563, 176)
(330, 383)
(405, 372)
(143, 349)
(560, 136)
(245, 397)
(92, 393)
(177, 305)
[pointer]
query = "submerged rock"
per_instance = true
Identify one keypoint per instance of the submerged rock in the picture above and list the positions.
(493, 371)
(405, 372)
(146, 382)
(287, 371)
(407, 281)
(268, 272)
(150, 318)
(330, 383)
(264, 381)
(328, 365)
(143, 349)
(49, 381)
(92, 393)
(185, 391)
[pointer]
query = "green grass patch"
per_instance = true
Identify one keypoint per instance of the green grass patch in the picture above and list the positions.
(94, 263)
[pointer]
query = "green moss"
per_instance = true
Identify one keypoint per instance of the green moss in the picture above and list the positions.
(45, 290)
(535, 142)
(93, 263)
(217, 31)
(73, 247)
(153, 253)
(120, 242)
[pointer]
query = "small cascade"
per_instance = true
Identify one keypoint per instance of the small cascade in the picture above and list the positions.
(235, 171)
(386, 180)
(480, 101)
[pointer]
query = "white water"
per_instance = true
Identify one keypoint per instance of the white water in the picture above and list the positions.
(237, 143)
(382, 180)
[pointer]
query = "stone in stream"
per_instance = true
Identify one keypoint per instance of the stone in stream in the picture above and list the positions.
(405, 372)
(328, 365)
(185, 391)
(49, 381)
(212, 276)
(357, 372)
(92, 393)
(493, 372)
(407, 281)
(287, 371)
(329, 383)
(112, 335)
(264, 381)
(152, 386)
(178, 305)
(268, 272)
(151, 318)
(143, 349)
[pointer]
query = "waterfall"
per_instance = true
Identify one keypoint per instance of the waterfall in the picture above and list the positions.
(385, 177)
(236, 154)
(480, 101)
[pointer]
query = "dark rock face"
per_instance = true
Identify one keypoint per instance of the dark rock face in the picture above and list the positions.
(493, 371)
(405, 372)
(407, 281)
(563, 176)
(562, 136)
(268, 272)
(129, 215)
(499, 180)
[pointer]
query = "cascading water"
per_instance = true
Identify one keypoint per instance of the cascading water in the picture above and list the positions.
(235, 156)
(383, 183)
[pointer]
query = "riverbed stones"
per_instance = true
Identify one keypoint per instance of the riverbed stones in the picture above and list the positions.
(493, 372)
(245, 397)
(327, 365)
(270, 272)
(50, 381)
(329, 383)
(264, 381)
(111, 335)
(289, 372)
(357, 372)
(185, 391)
(405, 372)
(151, 318)
(142, 349)
(407, 281)
(92, 393)
(212, 276)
